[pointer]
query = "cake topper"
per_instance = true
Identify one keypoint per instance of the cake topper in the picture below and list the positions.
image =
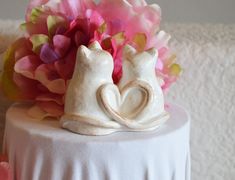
(94, 105)
(39, 65)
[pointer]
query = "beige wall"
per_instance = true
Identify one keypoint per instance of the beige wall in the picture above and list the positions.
(222, 11)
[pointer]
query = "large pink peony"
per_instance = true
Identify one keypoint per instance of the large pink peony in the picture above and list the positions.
(39, 65)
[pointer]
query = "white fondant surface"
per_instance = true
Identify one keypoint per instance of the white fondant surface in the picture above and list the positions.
(41, 150)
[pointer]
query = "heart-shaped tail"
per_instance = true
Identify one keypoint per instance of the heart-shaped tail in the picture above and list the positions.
(113, 112)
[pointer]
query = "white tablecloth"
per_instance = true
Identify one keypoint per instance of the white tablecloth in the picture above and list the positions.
(40, 150)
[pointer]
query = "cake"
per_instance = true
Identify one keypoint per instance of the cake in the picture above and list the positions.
(90, 78)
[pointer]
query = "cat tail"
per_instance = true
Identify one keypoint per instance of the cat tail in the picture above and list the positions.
(115, 115)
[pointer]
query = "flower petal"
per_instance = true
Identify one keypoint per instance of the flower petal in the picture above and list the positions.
(48, 55)
(28, 87)
(72, 8)
(81, 38)
(65, 67)
(53, 22)
(37, 113)
(53, 109)
(140, 41)
(61, 44)
(5, 171)
(38, 40)
(47, 75)
(137, 3)
(50, 97)
(27, 65)
(9, 87)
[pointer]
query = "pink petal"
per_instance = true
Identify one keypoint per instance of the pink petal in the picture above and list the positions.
(117, 72)
(22, 48)
(75, 8)
(49, 97)
(5, 171)
(159, 64)
(80, 38)
(116, 13)
(72, 8)
(48, 76)
(65, 67)
(27, 86)
(3, 157)
(137, 2)
(52, 108)
(162, 52)
(61, 44)
(27, 66)
(39, 27)
(95, 20)
(32, 4)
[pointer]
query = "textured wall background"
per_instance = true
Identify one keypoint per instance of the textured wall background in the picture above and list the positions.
(173, 10)
(206, 88)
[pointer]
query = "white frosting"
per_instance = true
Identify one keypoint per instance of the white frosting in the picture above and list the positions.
(96, 106)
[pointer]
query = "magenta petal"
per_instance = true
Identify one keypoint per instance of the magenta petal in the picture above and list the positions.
(65, 67)
(48, 55)
(61, 44)
(80, 38)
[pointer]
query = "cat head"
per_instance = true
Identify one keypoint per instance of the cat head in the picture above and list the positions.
(94, 58)
(139, 61)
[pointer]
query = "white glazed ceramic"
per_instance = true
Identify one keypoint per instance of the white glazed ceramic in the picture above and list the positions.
(140, 66)
(94, 105)
(83, 114)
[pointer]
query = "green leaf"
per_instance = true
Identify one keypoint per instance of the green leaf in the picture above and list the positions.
(35, 13)
(53, 22)
(38, 40)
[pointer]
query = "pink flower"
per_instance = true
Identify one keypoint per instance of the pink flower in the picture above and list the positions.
(39, 66)
(42, 63)
(5, 170)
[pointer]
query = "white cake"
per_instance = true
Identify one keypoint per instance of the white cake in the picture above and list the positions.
(41, 150)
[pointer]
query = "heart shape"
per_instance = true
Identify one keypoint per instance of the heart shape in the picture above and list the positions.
(125, 104)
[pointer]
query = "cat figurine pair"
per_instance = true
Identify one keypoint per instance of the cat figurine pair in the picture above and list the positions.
(94, 105)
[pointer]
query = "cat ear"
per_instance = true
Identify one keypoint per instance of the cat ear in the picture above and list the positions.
(129, 51)
(83, 51)
(95, 45)
(153, 52)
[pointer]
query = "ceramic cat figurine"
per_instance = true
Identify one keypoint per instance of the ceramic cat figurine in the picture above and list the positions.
(83, 113)
(141, 66)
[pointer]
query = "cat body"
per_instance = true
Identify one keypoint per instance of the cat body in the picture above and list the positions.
(93, 68)
(141, 66)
